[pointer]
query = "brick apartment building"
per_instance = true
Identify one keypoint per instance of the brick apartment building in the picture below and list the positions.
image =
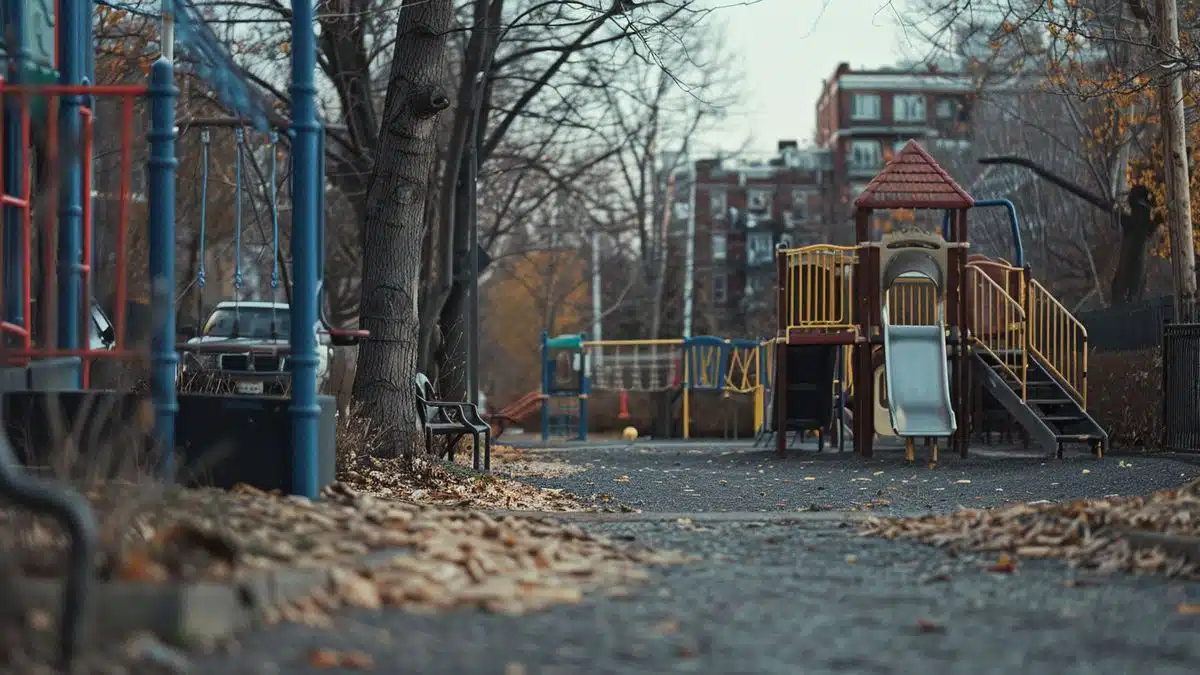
(743, 211)
(805, 195)
(863, 116)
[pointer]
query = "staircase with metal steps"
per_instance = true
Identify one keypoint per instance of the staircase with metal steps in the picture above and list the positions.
(1051, 414)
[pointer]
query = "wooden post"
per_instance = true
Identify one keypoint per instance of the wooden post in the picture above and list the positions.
(866, 290)
(781, 396)
(1175, 162)
(964, 322)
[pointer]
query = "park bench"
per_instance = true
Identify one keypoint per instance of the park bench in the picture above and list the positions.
(452, 418)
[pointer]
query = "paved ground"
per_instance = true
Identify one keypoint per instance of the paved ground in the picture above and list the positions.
(671, 477)
(805, 598)
(808, 597)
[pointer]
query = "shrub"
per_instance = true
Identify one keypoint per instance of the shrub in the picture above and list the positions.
(1125, 396)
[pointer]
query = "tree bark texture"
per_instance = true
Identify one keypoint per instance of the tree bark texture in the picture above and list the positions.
(1174, 140)
(394, 229)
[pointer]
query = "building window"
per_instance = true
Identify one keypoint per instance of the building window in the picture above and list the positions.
(799, 205)
(717, 202)
(759, 248)
(758, 200)
(865, 155)
(909, 108)
(865, 107)
(720, 288)
(720, 249)
(946, 109)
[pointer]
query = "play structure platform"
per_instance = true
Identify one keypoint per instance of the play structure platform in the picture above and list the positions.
(915, 326)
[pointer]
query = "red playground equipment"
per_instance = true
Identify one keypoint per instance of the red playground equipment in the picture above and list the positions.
(927, 327)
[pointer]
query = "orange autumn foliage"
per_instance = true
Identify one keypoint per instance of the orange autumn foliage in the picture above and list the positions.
(543, 290)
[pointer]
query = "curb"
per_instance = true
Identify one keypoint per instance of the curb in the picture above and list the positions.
(702, 517)
(188, 614)
(1175, 544)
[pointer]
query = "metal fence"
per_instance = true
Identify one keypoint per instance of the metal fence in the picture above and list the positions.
(1181, 387)
(1128, 327)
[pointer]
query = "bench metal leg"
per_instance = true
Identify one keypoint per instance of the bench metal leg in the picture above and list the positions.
(487, 451)
(475, 450)
(428, 442)
(75, 516)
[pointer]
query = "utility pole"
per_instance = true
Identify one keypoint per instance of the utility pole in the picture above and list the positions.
(689, 265)
(1174, 141)
(597, 310)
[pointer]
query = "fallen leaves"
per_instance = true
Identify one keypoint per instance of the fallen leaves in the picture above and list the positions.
(927, 626)
(1086, 533)
(436, 484)
(1188, 609)
(512, 461)
(325, 659)
(1005, 565)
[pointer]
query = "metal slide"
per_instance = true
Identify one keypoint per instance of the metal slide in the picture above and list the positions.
(918, 380)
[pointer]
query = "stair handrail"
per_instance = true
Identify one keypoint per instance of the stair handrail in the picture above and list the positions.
(1012, 338)
(1063, 350)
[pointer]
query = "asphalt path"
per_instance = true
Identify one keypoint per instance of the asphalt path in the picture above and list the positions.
(672, 477)
(783, 599)
(810, 596)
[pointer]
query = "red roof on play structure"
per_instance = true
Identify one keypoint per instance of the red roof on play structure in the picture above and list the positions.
(913, 180)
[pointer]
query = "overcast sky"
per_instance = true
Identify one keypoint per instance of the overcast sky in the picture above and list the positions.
(786, 48)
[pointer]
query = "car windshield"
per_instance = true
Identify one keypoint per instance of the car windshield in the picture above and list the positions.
(256, 323)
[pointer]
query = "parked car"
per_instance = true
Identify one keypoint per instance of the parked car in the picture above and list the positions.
(237, 339)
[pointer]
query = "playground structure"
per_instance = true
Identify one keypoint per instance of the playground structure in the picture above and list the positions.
(670, 370)
(924, 325)
(48, 150)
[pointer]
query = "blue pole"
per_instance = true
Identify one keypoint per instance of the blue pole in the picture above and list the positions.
(161, 198)
(14, 167)
(89, 78)
(73, 60)
(305, 219)
(546, 393)
(1013, 224)
(321, 207)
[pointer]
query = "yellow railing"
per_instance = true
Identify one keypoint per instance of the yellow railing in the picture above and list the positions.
(817, 286)
(1058, 339)
(912, 302)
(998, 325)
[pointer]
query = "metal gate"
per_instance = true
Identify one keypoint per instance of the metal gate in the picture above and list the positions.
(1181, 387)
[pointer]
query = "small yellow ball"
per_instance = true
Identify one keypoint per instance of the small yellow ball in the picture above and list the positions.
(629, 434)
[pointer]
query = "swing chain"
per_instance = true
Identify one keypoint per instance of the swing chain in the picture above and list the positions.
(205, 143)
(239, 136)
(274, 210)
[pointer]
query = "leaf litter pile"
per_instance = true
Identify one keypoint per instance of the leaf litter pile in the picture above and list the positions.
(448, 485)
(1087, 533)
(512, 461)
(445, 557)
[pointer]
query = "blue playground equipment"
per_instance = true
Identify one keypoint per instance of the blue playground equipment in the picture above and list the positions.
(50, 332)
(575, 368)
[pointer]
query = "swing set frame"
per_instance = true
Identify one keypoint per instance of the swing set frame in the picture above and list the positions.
(249, 352)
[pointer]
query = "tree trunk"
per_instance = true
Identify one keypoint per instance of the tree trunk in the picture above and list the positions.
(395, 225)
(1174, 139)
